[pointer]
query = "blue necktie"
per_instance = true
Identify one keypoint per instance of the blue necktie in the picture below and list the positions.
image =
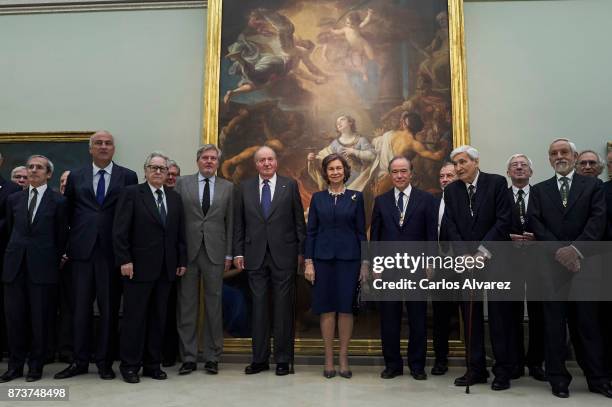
(266, 198)
(101, 189)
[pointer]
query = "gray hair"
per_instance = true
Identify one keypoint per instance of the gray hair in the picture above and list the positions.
(600, 161)
(399, 157)
(50, 166)
(571, 144)
(513, 156)
(19, 168)
(99, 133)
(262, 148)
(469, 150)
(207, 147)
(153, 155)
(172, 163)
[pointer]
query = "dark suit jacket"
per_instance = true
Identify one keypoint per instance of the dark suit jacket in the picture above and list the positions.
(335, 231)
(6, 188)
(607, 191)
(283, 232)
(584, 218)
(492, 213)
(90, 222)
(139, 237)
(420, 222)
(41, 244)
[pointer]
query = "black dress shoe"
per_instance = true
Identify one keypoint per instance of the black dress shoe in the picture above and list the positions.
(390, 373)
(33, 375)
(470, 379)
(500, 384)
(439, 369)
(211, 367)
(603, 388)
(130, 376)
(71, 371)
(347, 374)
(156, 374)
(255, 368)
(106, 373)
(419, 375)
(187, 368)
(11, 374)
(560, 391)
(537, 373)
(328, 374)
(282, 369)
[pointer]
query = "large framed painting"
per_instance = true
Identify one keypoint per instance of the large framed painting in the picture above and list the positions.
(370, 79)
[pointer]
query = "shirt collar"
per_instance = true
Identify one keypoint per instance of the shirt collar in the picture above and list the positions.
(153, 189)
(525, 189)
(473, 182)
(201, 178)
(570, 176)
(272, 180)
(41, 189)
(108, 168)
(405, 191)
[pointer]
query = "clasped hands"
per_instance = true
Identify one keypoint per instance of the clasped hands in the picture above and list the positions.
(569, 258)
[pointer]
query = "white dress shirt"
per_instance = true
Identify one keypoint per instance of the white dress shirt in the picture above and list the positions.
(153, 189)
(202, 184)
(271, 183)
(467, 186)
(406, 192)
(440, 213)
(96, 176)
(525, 194)
(41, 191)
(569, 176)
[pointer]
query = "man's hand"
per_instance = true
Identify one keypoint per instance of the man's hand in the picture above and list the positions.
(239, 263)
(227, 265)
(516, 238)
(180, 271)
(127, 270)
(528, 236)
(309, 273)
(568, 257)
(63, 261)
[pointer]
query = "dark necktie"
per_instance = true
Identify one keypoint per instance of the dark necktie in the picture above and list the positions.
(564, 190)
(101, 188)
(32, 205)
(266, 198)
(520, 202)
(161, 206)
(206, 196)
(471, 194)
(400, 207)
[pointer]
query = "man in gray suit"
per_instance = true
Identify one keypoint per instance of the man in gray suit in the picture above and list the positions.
(208, 205)
(269, 237)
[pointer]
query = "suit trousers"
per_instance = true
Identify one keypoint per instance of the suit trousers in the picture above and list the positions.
(535, 347)
(170, 342)
(504, 331)
(474, 336)
(144, 316)
(27, 310)
(443, 312)
(188, 295)
(390, 327)
(282, 284)
(582, 318)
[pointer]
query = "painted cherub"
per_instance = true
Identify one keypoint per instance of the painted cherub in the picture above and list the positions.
(361, 50)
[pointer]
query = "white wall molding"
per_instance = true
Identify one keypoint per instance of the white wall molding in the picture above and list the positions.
(63, 6)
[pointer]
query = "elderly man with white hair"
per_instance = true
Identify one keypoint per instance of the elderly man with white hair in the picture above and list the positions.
(478, 211)
(569, 207)
(589, 164)
(19, 175)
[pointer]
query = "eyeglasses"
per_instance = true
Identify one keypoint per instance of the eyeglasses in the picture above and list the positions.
(519, 165)
(156, 168)
(20, 177)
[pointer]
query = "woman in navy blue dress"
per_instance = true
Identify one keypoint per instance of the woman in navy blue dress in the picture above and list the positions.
(335, 231)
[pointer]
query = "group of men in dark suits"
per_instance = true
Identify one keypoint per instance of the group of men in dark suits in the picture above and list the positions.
(121, 237)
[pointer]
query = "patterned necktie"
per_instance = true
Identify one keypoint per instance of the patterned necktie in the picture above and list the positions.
(471, 194)
(400, 207)
(266, 198)
(564, 190)
(32, 205)
(206, 196)
(520, 202)
(101, 189)
(161, 206)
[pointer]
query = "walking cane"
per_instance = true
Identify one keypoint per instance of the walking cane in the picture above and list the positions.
(469, 341)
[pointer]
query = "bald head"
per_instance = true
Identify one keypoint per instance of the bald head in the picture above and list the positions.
(102, 148)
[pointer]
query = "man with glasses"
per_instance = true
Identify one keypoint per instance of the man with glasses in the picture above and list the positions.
(589, 164)
(92, 193)
(149, 245)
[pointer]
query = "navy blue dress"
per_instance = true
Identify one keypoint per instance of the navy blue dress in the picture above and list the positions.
(335, 231)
